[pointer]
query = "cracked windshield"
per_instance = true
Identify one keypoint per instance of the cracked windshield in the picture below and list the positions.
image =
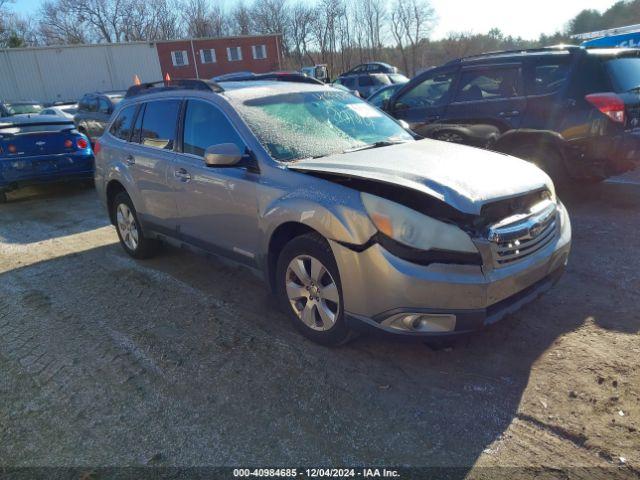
(292, 126)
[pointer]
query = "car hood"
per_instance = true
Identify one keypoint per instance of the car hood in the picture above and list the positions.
(464, 177)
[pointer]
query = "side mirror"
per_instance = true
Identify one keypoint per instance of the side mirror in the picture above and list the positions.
(224, 154)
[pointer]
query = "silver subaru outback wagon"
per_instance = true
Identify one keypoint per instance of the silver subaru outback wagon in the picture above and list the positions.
(353, 221)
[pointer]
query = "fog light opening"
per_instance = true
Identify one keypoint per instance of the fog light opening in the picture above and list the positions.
(422, 322)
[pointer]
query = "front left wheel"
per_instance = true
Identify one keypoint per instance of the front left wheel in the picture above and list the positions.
(310, 291)
(129, 231)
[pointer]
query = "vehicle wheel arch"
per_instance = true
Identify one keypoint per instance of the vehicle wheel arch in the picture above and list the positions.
(280, 237)
(513, 139)
(113, 188)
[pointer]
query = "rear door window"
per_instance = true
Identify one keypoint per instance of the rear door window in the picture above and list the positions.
(489, 83)
(159, 124)
(123, 125)
(548, 75)
(204, 126)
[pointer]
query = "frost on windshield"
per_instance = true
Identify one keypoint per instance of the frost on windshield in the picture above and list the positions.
(311, 124)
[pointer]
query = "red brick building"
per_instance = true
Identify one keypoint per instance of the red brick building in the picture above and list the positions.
(209, 57)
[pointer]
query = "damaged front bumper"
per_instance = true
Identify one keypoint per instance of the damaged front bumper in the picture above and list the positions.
(387, 294)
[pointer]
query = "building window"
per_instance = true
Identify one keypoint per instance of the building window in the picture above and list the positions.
(234, 54)
(179, 58)
(208, 55)
(259, 52)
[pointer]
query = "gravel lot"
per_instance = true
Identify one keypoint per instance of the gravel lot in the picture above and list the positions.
(181, 361)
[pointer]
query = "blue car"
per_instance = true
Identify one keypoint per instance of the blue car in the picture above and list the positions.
(41, 149)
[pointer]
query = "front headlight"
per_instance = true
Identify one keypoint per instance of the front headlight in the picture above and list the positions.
(414, 229)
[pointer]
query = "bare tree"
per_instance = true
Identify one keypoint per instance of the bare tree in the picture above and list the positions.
(59, 26)
(300, 23)
(151, 20)
(271, 17)
(197, 18)
(372, 15)
(240, 19)
(219, 21)
(411, 22)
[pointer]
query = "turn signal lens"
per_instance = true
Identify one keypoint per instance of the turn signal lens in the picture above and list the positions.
(608, 103)
(82, 143)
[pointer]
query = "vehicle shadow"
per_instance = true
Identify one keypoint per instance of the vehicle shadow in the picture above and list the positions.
(213, 374)
(53, 221)
(605, 219)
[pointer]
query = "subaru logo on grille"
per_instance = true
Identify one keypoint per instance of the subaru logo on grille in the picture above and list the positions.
(535, 230)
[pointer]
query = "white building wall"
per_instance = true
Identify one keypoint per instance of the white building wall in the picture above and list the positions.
(65, 73)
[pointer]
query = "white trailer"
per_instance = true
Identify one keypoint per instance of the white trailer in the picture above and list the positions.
(65, 73)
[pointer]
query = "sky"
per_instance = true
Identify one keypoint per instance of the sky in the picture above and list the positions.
(524, 18)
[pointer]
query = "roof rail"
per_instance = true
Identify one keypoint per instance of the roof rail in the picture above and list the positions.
(521, 50)
(180, 84)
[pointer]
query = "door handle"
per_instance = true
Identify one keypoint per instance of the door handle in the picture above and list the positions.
(512, 113)
(130, 160)
(182, 175)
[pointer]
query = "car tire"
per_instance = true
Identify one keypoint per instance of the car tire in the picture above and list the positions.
(545, 157)
(130, 233)
(310, 292)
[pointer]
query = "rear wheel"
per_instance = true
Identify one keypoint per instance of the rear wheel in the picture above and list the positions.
(545, 157)
(310, 291)
(131, 236)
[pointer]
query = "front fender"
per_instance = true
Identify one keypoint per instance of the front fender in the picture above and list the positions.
(343, 221)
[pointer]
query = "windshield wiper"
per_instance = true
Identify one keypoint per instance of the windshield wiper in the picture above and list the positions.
(382, 143)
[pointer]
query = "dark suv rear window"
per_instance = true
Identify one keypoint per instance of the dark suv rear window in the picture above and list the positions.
(624, 73)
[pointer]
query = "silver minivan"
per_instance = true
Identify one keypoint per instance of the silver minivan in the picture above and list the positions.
(354, 222)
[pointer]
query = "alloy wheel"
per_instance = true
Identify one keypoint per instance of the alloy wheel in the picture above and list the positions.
(127, 226)
(312, 292)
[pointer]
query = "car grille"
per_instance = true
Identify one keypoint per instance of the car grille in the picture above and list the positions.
(520, 236)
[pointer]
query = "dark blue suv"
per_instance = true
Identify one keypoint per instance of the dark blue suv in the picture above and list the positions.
(575, 112)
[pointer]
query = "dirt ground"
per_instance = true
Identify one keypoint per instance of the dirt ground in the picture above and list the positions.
(182, 361)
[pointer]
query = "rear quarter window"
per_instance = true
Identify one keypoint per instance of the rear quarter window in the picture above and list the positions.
(123, 125)
(624, 73)
(589, 77)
